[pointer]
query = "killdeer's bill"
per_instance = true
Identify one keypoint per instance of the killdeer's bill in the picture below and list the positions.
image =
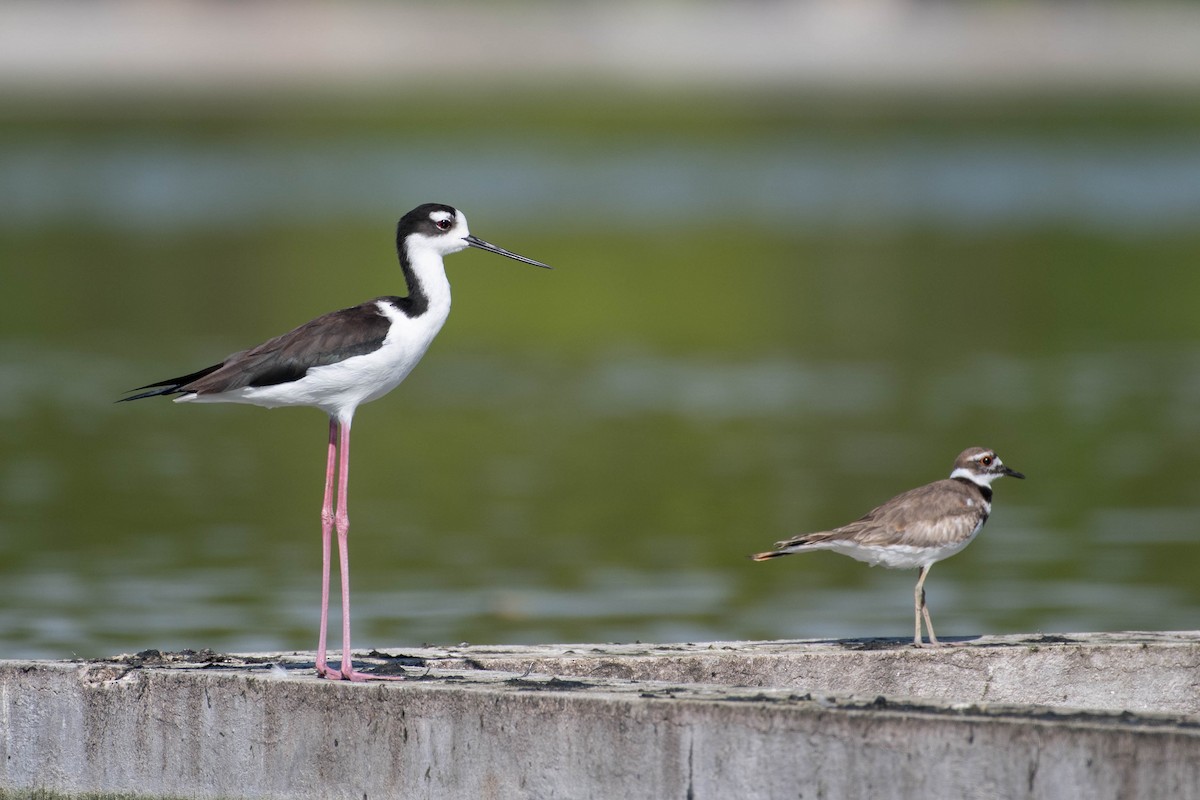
(917, 528)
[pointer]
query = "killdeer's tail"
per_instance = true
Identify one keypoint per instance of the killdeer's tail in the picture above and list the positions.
(770, 554)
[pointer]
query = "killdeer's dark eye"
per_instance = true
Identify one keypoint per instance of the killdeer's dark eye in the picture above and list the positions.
(443, 224)
(986, 461)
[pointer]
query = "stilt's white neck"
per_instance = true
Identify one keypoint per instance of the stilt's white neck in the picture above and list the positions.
(427, 282)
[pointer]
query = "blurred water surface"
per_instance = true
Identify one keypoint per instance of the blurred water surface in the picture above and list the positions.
(973, 181)
(751, 331)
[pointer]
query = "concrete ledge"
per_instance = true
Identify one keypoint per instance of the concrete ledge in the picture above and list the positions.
(209, 726)
(1132, 671)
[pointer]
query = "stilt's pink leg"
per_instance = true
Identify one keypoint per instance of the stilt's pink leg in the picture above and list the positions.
(339, 440)
(326, 544)
(342, 522)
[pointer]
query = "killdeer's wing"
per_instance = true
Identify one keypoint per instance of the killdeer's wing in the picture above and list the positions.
(931, 515)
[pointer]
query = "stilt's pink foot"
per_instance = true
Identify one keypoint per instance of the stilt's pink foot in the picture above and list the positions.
(355, 676)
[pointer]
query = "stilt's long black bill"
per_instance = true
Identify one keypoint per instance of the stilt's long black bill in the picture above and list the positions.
(475, 241)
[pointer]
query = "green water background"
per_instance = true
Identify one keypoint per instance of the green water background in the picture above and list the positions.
(769, 313)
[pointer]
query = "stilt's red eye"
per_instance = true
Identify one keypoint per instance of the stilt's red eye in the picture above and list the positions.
(443, 224)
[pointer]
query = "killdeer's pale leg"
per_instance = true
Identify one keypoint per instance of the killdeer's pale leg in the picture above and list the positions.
(917, 528)
(921, 609)
(339, 361)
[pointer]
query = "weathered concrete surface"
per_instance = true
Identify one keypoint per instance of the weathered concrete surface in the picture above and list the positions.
(209, 726)
(1133, 671)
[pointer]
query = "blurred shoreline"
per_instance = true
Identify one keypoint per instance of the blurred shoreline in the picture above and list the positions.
(71, 50)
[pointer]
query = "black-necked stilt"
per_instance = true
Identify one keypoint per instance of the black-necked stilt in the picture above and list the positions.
(915, 529)
(340, 360)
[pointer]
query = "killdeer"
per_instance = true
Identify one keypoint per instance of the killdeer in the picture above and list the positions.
(338, 361)
(917, 528)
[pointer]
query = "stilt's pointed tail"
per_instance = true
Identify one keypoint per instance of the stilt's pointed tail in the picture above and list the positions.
(170, 386)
